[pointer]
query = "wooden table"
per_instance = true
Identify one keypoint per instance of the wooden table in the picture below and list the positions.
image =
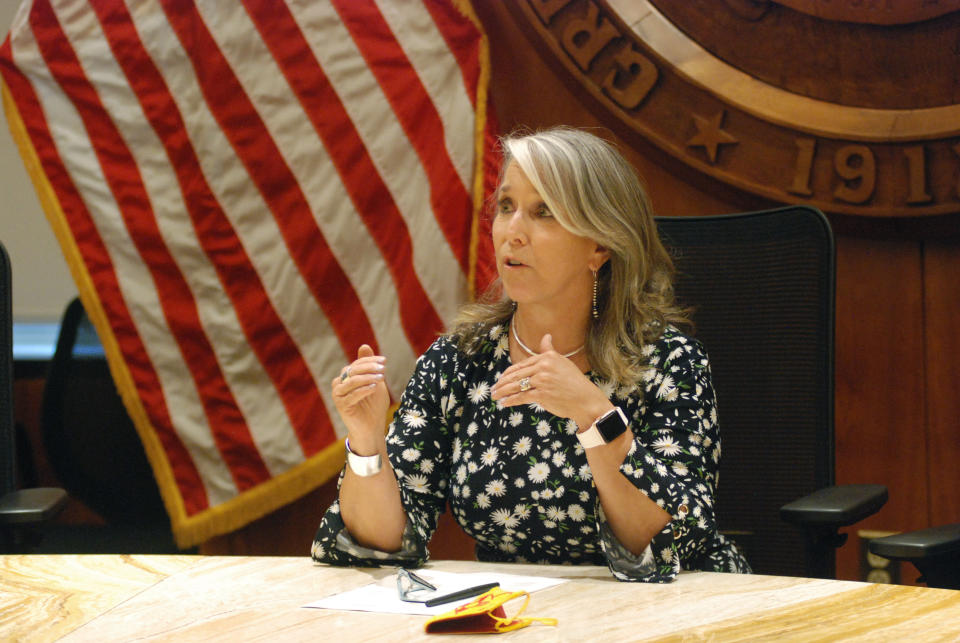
(213, 598)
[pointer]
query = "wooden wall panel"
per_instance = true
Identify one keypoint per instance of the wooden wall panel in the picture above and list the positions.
(528, 92)
(941, 268)
(880, 428)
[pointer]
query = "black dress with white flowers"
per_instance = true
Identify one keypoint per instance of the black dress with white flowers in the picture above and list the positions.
(517, 479)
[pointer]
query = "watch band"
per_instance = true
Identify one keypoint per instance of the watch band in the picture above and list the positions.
(363, 465)
(592, 437)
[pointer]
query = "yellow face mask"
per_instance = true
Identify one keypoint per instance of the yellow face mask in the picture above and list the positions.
(484, 615)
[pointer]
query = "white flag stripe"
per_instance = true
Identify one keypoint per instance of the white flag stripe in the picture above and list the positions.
(394, 156)
(426, 49)
(269, 425)
(76, 150)
(252, 220)
(308, 160)
(350, 244)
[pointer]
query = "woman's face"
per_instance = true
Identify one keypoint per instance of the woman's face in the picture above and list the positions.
(538, 260)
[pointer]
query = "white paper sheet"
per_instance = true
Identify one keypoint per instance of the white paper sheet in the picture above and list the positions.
(383, 597)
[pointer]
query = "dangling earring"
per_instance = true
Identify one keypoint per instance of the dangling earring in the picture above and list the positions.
(596, 315)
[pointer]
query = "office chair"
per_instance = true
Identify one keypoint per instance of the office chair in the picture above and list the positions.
(90, 439)
(934, 551)
(761, 286)
(20, 509)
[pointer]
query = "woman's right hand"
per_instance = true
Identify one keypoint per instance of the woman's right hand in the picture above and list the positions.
(370, 506)
(361, 397)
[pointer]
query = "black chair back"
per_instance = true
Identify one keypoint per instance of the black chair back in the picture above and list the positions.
(7, 428)
(762, 288)
(90, 439)
(21, 510)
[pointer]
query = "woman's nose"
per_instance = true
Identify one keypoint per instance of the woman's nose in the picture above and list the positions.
(516, 227)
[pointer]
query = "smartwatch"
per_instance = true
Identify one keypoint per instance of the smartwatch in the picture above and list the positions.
(605, 429)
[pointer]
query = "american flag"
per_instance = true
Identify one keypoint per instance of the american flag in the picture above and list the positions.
(245, 192)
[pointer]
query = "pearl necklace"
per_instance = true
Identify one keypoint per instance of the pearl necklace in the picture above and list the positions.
(513, 329)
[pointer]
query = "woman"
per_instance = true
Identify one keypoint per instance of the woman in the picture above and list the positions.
(571, 421)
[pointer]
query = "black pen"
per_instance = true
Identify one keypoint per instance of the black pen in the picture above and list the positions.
(463, 593)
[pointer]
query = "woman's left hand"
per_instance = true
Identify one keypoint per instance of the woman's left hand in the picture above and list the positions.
(555, 383)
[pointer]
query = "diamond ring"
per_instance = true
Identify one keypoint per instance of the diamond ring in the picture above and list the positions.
(524, 384)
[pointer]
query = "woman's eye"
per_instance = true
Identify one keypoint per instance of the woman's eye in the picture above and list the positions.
(544, 211)
(505, 206)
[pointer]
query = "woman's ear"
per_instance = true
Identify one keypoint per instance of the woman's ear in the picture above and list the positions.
(600, 256)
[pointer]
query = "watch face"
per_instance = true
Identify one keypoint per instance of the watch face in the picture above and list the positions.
(612, 425)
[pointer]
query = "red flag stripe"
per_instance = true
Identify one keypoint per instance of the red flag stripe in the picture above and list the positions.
(387, 145)
(455, 25)
(465, 41)
(492, 160)
(265, 331)
(229, 426)
(254, 146)
(412, 26)
(417, 114)
(259, 232)
(369, 194)
(100, 268)
(461, 37)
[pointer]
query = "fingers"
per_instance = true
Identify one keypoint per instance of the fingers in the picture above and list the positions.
(364, 366)
(361, 375)
(349, 395)
(549, 380)
(518, 387)
(546, 344)
(354, 377)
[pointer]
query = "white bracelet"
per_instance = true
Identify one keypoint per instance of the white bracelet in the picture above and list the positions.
(363, 465)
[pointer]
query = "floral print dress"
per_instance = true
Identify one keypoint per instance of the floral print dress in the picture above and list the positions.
(517, 479)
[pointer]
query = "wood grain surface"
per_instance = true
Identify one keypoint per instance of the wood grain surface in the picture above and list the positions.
(178, 598)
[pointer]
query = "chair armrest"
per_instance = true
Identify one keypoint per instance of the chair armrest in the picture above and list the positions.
(934, 551)
(27, 506)
(836, 506)
(943, 540)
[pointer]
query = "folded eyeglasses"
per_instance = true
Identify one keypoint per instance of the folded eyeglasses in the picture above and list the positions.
(411, 587)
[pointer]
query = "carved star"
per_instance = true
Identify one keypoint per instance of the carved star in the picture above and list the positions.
(710, 136)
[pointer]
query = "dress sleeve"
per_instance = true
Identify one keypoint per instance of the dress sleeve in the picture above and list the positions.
(418, 447)
(673, 460)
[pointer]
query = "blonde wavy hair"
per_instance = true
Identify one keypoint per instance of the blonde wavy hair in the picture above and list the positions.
(593, 192)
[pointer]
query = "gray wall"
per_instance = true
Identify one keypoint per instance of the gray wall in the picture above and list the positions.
(42, 285)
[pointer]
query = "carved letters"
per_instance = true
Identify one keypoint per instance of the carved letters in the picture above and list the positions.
(917, 173)
(801, 176)
(857, 166)
(621, 71)
(856, 173)
(585, 37)
(630, 78)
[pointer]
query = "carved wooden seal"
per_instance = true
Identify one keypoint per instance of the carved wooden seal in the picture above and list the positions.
(883, 141)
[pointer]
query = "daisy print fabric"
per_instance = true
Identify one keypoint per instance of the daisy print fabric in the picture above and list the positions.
(517, 479)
